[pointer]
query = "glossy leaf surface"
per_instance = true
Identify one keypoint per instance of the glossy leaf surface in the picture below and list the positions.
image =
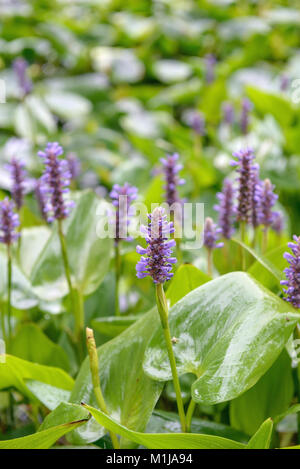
(229, 331)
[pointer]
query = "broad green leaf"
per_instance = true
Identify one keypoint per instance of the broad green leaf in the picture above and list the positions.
(186, 279)
(168, 422)
(263, 261)
(23, 296)
(262, 274)
(112, 326)
(67, 105)
(40, 112)
(250, 410)
(33, 345)
(271, 103)
(41, 440)
(89, 256)
(33, 242)
(262, 438)
(65, 412)
(165, 440)
(230, 331)
(14, 372)
(292, 410)
(48, 395)
(129, 394)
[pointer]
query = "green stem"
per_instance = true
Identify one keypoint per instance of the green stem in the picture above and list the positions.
(189, 415)
(9, 285)
(297, 381)
(197, 146)
(255, 238)
(94, 366)
(75, 296)
(265, 239)
(118, 275)
(243, 235)
(209, 262)
(163, 312)
(3, 322)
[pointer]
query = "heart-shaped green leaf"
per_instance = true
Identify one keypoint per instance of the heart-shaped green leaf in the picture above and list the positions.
(186, 279)
(229, 331)
(129, 394)
(89, 255)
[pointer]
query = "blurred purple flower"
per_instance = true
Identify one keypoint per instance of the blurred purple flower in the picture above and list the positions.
(244, 167)
(157, 261)
(20, 68)
(255, 196)
(55, 183)
(246, 108)
(171, 169)
(267, 201)
(196, 121)
(226, 209)
(122, 197)
(210, 63)
(18, 175)
(284, 82)
(74, 165)
(9, 221)
(41, 198)
(292, 273)
(211, 234)
(278, 223)
(228, 113)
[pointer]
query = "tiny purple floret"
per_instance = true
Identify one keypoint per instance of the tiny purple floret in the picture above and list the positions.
(157, 261)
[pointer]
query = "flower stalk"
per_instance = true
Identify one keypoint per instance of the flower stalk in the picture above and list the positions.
(162, 307)
(94, 367)
(75, 296)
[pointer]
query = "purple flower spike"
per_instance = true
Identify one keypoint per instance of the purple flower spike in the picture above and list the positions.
(171, 169)
(211, 234)
(226, 209)
(55, 183)
(74, 165)
(9, 221)
(20, 68)
(244, 167)
(228, 113)
(18, 175)
(157, 261)
(278, 223)
(246, 108)
(267, 201)
(292, 273)
(196, 121)
(41, 198)
(284, 82)
(210, 63)
(255, 196)
(122, 197)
